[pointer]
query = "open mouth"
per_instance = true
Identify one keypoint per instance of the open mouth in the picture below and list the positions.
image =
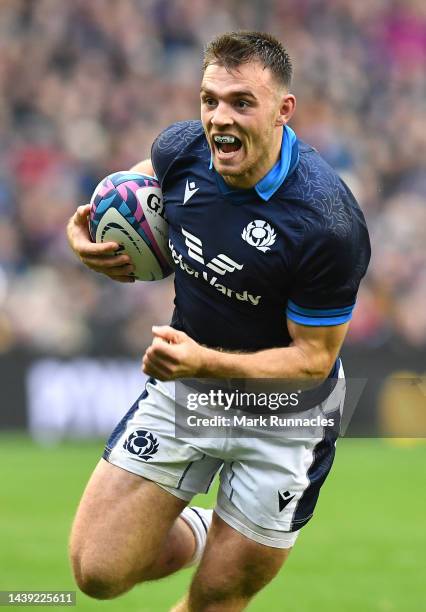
(227, 143)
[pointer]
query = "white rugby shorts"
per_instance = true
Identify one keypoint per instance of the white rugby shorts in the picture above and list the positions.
(268, 487)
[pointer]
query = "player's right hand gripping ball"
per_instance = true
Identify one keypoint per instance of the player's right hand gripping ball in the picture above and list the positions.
(127, 207)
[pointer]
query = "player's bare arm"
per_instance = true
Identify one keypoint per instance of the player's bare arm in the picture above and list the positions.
(144, 167)
(173, 354)
(102, 257)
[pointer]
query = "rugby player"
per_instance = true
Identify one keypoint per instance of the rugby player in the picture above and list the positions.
(270, 247)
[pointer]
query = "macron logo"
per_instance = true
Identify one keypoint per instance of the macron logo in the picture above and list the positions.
(190, 190)
(284, 498)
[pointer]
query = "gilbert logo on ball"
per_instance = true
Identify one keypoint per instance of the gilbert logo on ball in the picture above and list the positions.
(128, 208)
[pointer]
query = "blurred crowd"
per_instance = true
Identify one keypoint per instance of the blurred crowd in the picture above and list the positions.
(85, 86)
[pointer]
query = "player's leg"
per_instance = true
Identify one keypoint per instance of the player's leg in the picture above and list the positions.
(267, 493)
(233, 569)
(127, 528)
(126, 531)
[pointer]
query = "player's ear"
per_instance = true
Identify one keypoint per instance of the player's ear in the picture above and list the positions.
(286, 109)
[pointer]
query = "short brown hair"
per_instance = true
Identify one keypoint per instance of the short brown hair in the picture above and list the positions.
(232, 49)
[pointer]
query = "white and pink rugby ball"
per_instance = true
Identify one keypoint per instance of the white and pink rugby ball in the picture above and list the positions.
(127, 207)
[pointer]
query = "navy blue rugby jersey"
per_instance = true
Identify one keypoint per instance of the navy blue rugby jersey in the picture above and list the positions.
(245, 262)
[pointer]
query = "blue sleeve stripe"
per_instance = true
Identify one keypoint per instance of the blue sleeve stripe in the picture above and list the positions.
(318, 321)
(319, 312)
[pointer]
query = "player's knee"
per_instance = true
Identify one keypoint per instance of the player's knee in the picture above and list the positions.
(210, 590)
(97, 578)
(104, 578)
(248, 571)
(212, 596)
(98, 587)
(100, 583)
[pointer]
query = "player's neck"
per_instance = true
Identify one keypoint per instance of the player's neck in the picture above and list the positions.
(249, 179)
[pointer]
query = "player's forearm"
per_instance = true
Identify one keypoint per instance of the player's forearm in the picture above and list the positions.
(287, 363)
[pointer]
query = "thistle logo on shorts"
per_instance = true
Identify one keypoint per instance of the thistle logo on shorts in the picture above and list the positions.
(259, 234)
(142, 443)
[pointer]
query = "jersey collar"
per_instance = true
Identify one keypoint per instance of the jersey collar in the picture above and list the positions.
(276, 176)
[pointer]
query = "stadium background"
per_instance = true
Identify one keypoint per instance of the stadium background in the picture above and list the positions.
(84, 89)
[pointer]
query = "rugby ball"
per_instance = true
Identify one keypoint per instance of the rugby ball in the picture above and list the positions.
(127, 207)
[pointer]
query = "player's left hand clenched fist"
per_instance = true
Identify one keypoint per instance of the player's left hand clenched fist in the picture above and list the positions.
(173, 354)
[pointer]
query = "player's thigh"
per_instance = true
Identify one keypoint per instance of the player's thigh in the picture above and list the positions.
(122, 519)
(233, 566)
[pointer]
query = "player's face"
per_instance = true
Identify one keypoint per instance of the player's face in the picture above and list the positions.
(243, 112)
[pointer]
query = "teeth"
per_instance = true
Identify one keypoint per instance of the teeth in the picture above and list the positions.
(224, 139)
